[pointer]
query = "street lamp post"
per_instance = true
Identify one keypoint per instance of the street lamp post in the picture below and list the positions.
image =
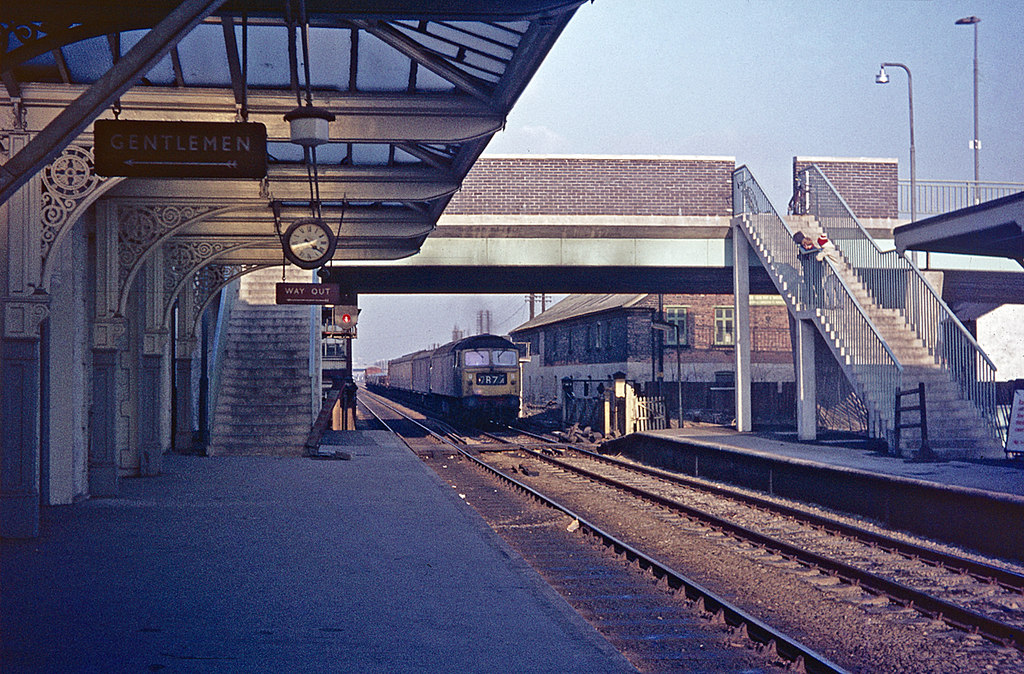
(976, 141)
(883, 78)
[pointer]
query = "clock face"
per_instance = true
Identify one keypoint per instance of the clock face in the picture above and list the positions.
(308, 243)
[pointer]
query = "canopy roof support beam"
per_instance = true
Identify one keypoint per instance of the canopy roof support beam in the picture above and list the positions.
(126, 72)
(402, 43)
(234, 65)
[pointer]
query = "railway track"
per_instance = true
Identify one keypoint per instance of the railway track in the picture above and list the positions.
(660, 619)
(964, 593)
(874, 600)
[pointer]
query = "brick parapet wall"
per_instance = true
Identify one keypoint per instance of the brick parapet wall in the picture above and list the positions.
(869, 186)
(638, 186)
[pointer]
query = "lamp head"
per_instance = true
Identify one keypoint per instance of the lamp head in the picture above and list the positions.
(967, 21)
(882, 77)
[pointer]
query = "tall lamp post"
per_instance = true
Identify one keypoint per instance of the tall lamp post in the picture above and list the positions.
(883, 78)
(975, 142)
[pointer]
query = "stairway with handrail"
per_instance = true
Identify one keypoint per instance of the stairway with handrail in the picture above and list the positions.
(882, 338)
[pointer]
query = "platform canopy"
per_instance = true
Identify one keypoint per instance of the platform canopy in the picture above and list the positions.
(993, 228)
(417, 88)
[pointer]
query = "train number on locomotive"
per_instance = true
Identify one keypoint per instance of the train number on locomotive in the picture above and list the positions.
(491, 378)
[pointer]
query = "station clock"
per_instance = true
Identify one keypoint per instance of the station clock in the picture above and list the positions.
(308, 243)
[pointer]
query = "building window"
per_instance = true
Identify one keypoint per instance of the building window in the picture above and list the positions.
(677, 316)
(725, 325)
(597, 336)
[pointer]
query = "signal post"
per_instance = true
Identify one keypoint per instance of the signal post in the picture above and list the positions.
(339, 318)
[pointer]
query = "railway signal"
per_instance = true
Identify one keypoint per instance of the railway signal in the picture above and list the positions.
(340, 320)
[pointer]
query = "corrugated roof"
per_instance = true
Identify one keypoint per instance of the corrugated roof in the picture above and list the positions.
(575, 306)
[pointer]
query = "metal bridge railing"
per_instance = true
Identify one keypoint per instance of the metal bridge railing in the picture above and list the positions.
(894, 282)
(935, 197)
(818, 287)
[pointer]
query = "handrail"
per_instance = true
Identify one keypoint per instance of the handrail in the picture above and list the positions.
(942, 196)
(895, 282)
(910, 263)
(818, 288)
(856, 305)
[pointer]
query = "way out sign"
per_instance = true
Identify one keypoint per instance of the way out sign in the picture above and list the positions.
(308, 293)
(180, 149)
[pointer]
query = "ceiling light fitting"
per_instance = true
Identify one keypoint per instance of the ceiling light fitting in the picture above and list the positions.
(310, 125)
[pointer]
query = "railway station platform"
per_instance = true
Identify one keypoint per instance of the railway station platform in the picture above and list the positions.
(991, 475)
(263, 564)
(977, 504)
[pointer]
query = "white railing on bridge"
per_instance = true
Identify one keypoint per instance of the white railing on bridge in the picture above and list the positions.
(935, 197)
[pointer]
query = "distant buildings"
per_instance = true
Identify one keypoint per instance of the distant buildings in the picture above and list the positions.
(673, 345)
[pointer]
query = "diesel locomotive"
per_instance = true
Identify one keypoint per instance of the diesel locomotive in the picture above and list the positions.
(475, 379)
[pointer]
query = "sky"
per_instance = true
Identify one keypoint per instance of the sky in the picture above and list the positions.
(759, 80)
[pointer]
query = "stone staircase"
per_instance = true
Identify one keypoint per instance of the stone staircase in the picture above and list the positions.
(264, 403)
(956, 429)
(954, 425)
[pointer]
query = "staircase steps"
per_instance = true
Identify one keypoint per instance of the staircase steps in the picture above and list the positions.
(264, 406)
(954, 424)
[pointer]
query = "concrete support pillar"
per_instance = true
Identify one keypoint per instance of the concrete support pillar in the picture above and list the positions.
(741, 317)
(108, 334)
(806, 390)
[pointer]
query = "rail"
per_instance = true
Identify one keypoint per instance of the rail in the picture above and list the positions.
(935, 197)
(818, 289)
(961, 616)
(795, 653)
(894, 282)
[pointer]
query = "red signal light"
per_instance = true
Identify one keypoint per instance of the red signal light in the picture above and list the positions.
(346, 319)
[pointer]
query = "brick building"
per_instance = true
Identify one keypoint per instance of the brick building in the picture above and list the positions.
(587, 338)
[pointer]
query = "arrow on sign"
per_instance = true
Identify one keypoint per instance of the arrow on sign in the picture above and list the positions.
(134, 162)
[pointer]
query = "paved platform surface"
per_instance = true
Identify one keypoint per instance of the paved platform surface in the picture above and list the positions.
(257, 564)
(1002, 476)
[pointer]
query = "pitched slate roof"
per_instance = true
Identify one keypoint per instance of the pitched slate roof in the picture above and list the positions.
(575, 306)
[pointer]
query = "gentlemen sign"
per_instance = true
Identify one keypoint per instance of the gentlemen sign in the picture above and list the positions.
(308, 293)
(180, 149)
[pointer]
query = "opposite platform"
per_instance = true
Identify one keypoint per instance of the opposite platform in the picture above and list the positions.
(262, 564)
(1003, 476)
(975, 504)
